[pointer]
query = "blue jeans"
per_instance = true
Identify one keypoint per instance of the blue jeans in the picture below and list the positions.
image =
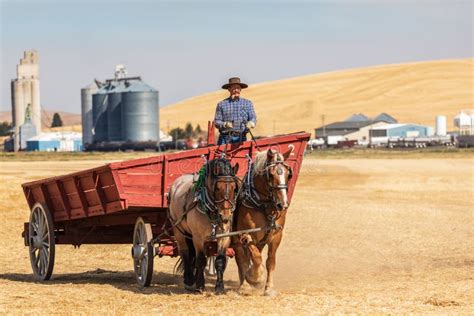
(230, 139)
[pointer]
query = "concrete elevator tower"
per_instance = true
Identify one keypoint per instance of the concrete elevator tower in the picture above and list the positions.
(25, 91)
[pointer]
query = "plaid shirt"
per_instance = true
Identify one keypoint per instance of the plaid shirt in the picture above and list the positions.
(238, 111)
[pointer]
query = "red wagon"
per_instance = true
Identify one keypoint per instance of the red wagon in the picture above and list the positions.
(126, 203)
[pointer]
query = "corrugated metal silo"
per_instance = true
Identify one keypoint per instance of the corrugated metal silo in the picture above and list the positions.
(114, 111)
(99, 114)
(86, 110)
(139, 112)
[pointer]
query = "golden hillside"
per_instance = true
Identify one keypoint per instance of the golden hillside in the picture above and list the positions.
(412, 93)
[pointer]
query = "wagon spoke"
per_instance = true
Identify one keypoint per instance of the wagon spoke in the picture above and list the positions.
(40, 262)
(37, 257)
(45, 225)
(142, 235)
(144, 265)
(34, 222)
(40, 221)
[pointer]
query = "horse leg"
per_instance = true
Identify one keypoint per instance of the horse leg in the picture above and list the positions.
(271, 263)
(189, 258)
(187, 253)
(200, 265)
(253, 275)
(221, 263)
(242, 261)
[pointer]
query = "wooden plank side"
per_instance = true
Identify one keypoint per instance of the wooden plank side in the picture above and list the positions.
(100, 192)
(164, 182)
(64, 198)
(80, 194)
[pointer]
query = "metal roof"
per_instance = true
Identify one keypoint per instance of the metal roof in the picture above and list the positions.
(56, 136)
(384, 117)
(357, 118)
(137, 86)
(346, 125)
(390, 126)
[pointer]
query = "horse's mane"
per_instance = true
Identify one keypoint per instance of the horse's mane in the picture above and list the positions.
(261, 159)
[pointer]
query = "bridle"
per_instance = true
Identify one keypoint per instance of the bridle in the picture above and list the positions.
(280, 186)
(256, 199)
(206, 201)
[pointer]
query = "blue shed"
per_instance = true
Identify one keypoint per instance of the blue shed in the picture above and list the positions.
(401, 130)
(55, 141)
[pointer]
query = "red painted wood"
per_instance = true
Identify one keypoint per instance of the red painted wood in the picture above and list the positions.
(99, 191)
(64, 198)
(81, 195)
(145, 182)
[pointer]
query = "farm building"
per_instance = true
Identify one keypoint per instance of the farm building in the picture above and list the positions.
(381, 134)
(354, 128)
(55, 141)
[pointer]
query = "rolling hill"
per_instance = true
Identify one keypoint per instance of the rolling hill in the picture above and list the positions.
(412, 93)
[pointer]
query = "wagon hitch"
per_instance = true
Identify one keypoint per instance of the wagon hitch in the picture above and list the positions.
(244, 231)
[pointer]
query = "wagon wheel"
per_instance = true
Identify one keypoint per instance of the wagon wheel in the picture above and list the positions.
(142, 252)
(41, 242)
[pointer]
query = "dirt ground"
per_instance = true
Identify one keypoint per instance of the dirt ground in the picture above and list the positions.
(362, 236)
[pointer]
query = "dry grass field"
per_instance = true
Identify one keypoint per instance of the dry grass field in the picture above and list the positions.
(412, 93)
(384, 236)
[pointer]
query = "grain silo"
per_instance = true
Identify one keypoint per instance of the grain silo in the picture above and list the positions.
(25, 92)
(139, 112)
(114, 111)
(124, 114)
(99, 114)
(86, 110)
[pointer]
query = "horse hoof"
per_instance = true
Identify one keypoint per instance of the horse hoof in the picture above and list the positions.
(190, 288)
(199, 290)
(253, 281)
(220, 291)
(270, 293)
(245, 289)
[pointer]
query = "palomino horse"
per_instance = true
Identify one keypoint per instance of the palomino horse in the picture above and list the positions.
(263, 203)
(199, 211)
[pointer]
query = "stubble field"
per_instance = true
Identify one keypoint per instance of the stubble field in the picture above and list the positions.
(362, 235)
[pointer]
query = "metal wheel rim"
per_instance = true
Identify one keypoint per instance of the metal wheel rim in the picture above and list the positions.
(142, 266)
(41, 243)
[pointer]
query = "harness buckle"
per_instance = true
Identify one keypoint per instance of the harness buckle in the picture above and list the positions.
(213, 231)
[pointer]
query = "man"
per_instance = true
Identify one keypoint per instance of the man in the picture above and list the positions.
(234, 115)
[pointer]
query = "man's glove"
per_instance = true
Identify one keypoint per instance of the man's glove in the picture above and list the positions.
(250, 124)
(228, 124)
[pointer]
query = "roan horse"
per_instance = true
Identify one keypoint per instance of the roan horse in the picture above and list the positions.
(199, 211)
(263, 203)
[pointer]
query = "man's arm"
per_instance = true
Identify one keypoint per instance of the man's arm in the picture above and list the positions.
(219, 118)
(251, 113)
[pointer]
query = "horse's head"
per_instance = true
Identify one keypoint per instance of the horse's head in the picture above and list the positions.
(276, 174)
(223, 186)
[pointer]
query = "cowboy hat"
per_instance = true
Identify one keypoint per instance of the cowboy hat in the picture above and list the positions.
(234, 80)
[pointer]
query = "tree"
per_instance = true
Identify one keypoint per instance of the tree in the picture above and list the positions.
(188, 130)
(177, 133)
(57, 122)
(198, 130)
(5, 128)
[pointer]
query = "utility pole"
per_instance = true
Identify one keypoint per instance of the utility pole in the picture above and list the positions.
(175, 139)
(324, 126)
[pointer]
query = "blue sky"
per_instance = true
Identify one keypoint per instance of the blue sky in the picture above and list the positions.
(186, 48)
